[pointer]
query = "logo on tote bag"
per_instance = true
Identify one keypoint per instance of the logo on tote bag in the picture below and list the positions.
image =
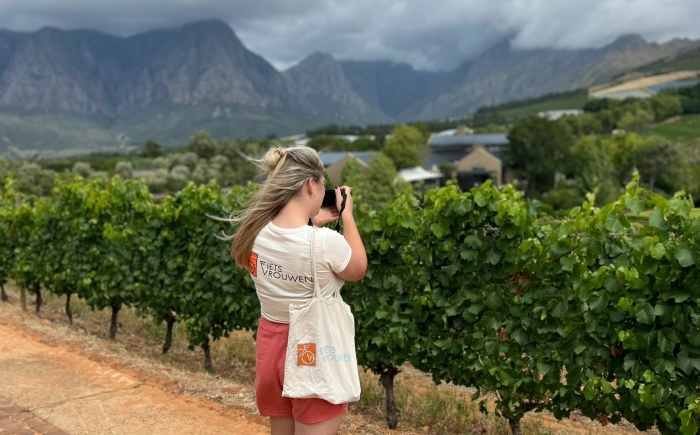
(306, 354)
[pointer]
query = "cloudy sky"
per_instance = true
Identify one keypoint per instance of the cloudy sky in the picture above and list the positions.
(429, 34)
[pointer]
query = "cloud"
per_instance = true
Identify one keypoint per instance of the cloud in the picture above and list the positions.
(427, 34)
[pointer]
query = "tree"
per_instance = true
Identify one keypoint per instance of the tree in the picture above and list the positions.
(32, 179)
(597, 105)
(594, 170)
(152, 149)
(178, 178)
(162, 163)
(690, 99)
(538, 148)
(83, 169)
(352, 172)
(449, 171)
(423, 128)
(379, 186)
(665, 106)
(655, 158)
(329, 143)
(583, 125)
(365, 144)
(188, 159)
(159, 182)
(622, 148)
(203, 145)
(636, 120)
(124, 169)
(563, 197)
(239, 170)
(406, 147)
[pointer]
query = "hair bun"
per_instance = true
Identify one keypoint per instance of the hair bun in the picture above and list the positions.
(273, 158)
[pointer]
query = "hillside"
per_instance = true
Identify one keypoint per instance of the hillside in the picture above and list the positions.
(64, 92)
(75, 91)
(683, 62)
(504, 74)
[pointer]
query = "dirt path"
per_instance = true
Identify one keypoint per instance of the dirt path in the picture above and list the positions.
(81, 396)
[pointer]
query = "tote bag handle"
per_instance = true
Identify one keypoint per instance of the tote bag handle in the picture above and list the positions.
(317, 285)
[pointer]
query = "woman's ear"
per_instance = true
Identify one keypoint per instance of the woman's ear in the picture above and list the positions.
(310, 187)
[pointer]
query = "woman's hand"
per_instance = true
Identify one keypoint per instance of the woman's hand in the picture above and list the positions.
(324, 216)
(348, 200)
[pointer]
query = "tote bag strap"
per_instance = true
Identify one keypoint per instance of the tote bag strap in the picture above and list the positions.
(317, 285)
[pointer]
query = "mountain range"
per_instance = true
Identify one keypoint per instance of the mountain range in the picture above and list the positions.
(83, 90)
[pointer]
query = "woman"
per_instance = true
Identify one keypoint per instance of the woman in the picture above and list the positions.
(273, 243)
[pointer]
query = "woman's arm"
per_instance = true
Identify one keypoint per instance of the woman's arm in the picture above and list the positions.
(357, 267)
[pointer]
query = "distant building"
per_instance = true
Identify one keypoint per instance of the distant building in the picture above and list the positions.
(623, 95)
(476, 157)
(303, 139)
(430, 179)
(460, 130)
(553, 115)
(335, 162)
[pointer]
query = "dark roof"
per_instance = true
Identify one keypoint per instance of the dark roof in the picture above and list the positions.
(331, 158)
(435, 158)
(470, 139)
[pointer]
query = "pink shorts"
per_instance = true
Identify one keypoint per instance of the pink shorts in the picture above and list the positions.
(270, 354)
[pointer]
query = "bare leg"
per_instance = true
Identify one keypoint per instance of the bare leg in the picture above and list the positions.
(328, 427)
(281, 425)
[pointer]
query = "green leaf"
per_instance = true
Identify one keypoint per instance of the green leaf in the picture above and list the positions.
(667, 340)
(596, 302)
(660, 365)
(635, 205)
(616, 222)
(543, 368)
(480, 199)
(689, 429)
(568, 262)
(684, 255)
(493, 257)
(520, 337)
(472, 241)
(645, 314)
(656, 220)
(687, 363)
(657, 251)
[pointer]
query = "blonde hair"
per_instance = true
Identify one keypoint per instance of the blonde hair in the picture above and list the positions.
(287, 171)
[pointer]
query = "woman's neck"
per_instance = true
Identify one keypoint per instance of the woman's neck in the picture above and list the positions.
(293, 215)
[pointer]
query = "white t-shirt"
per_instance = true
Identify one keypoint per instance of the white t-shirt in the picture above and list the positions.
(280, 266)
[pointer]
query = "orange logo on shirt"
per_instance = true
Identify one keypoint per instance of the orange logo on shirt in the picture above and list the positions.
(306, 354)
(253, 264)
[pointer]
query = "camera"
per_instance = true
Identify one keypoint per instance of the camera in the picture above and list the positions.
(329, 199)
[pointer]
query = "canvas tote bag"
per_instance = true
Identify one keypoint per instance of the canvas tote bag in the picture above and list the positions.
(321, 361)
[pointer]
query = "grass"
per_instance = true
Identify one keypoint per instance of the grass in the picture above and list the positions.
(687, 127)
(438, 410)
